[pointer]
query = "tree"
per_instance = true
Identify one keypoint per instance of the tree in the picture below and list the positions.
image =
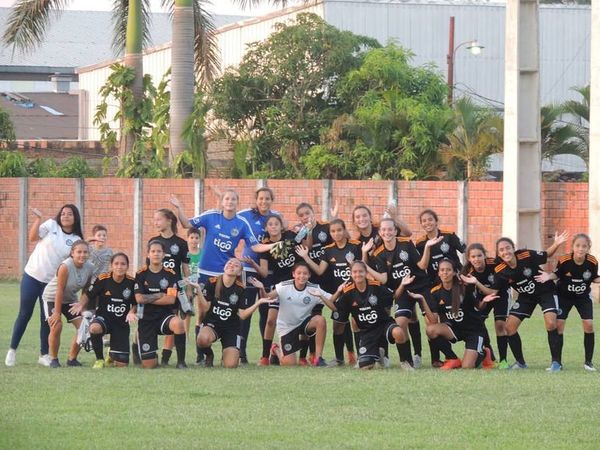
(478, 133)
(579, 112)
(285, 89)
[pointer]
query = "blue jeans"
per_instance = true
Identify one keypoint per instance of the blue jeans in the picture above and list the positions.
(31, 290)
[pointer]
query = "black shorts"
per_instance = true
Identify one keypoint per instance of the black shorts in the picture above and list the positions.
(227, 336)
(370, 341)
(148, 331)
(317, 310)
(500, 307)
(290, 343)
(405, 305)
(64, 309)
(119, 338)
(473, 339)
(583, 304)
(524, 306)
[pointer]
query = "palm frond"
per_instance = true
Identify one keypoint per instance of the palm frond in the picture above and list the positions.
(28, 21)
(247, 4)
(120, 15)
(206, 48)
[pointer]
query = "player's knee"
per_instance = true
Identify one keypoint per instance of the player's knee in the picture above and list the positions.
(431, 331)
(204, 340)
(95, 328)
(398, 335)
(177, 326)
(588, 326)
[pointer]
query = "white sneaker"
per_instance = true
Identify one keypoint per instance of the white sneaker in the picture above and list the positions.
(45, 360)
(405, 365)
(11, 357)
(587, 366)
(417, 363)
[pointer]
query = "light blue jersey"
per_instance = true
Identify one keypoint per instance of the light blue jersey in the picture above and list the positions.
(258, 224)
(222, 238)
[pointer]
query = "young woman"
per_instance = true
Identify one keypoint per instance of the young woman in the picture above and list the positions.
(518, 269)
(333, 269)
(176, 258)
(295, 321)
(460, 315)
(479, 278)
(60, 297)
(257, 219)
(156, 293)
(113, 293)
(368, 302)
(363, 221)
(395, 259)
(223, 303)
(575, 273)
(54, 239)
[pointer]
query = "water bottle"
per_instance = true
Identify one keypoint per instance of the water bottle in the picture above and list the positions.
(140, 312)
(302, 233)
(184, 301)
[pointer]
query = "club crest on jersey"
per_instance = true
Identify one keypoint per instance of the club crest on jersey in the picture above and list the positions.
(174, 249)
(322, 236)
(515, 305)
(233, 299)
(287, 347)
(306, 300)
(527, 272)
(587, 275)
(491, 278)
(218, 226)
(372, 300)
(235, 232)
(444, 247)
(164, 283)
(126, 293)
(349, 257)
(69, 242)
(403, 255)
(540, 253)
(336, 315)
(146, 347)
(362, 350)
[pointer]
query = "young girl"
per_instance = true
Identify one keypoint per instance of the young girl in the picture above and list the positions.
(193, 241)
(460, 316)
(113, 293)
(518, 269)
(156, 293)
(575, 273)
(54, 239)
(223, 303)
(60, 297)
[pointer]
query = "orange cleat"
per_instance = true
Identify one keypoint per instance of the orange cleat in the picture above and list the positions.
(487, 362)
(450, 364)
(351, 358)
(264, 361)
(302, 362)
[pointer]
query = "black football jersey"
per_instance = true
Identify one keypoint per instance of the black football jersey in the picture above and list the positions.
(400, 262)
(176, 252)
(338, 267)
(114, 299)
(488, 278)
(448, 248)
(148, 282)
(575, 279)
(368, 308)
(521, 278)
(223, 311)
(467, 318)
(281, 269)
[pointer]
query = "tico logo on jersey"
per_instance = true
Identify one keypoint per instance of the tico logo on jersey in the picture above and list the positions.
(126, 293)
(163, 283)
(444, 247)
(117, 310)
(224, 246)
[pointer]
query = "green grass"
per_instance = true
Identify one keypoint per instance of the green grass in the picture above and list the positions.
(300, 407)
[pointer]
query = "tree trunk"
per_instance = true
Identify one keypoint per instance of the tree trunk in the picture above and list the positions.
(182, 74)
(134, 59)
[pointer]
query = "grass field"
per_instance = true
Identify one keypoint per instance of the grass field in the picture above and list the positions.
(255, 407)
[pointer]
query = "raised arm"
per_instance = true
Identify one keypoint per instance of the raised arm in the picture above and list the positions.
(34, 230)
(424, 262)
(559, 239)
(185, 222)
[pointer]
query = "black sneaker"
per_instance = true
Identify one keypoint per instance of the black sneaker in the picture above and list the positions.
(208, 361)
(335, 363)
(181, 365)
(54, 364)
(244, 360)
(73, 363)
(321, 362)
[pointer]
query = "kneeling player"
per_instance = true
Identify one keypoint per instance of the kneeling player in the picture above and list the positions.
(222, 303)
(368, 302)
(155, 294)
(116, 309)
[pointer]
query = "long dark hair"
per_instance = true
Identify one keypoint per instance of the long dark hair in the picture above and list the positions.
(504, 239)
(254, 209)
(120, 255)
(474, 246)
(220, 284)
(171, 217)
(457, 292)
(76, 222)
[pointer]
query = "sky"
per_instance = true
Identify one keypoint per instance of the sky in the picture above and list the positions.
(218, 6)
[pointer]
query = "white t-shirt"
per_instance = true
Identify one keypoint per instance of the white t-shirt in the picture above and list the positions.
(294, 305)
(52, 249)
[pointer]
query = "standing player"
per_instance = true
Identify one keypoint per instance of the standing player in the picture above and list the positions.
(113, 293)
(156, 293)
(575, 273)
(518, 270)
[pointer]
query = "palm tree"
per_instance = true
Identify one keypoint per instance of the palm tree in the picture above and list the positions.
(558, 137)
(579, 111)
(477, 135)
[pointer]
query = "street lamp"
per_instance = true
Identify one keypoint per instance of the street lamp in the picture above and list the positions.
(472, 45)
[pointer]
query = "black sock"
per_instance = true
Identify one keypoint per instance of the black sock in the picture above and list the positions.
(560, 340)
(434, 351)
(414, 329)
(199, 350)
(588, 345)
(180, 347)
(338, 346)
(487, 343)
(97, 345)
(267, 343)
(553, 344)
(311, 344)
(502, 347)
(357, 340)
(348, 337)
(303, 349)
(443, 345)
(404, 352)
(165, 356)
(516, 347)
(135, 353)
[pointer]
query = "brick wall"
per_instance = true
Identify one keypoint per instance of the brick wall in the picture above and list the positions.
(110, 201)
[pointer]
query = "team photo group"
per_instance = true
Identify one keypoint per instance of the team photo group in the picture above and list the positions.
(385, 287)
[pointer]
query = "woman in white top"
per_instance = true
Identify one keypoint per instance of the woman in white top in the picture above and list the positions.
(61, 297)
(54, 239)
